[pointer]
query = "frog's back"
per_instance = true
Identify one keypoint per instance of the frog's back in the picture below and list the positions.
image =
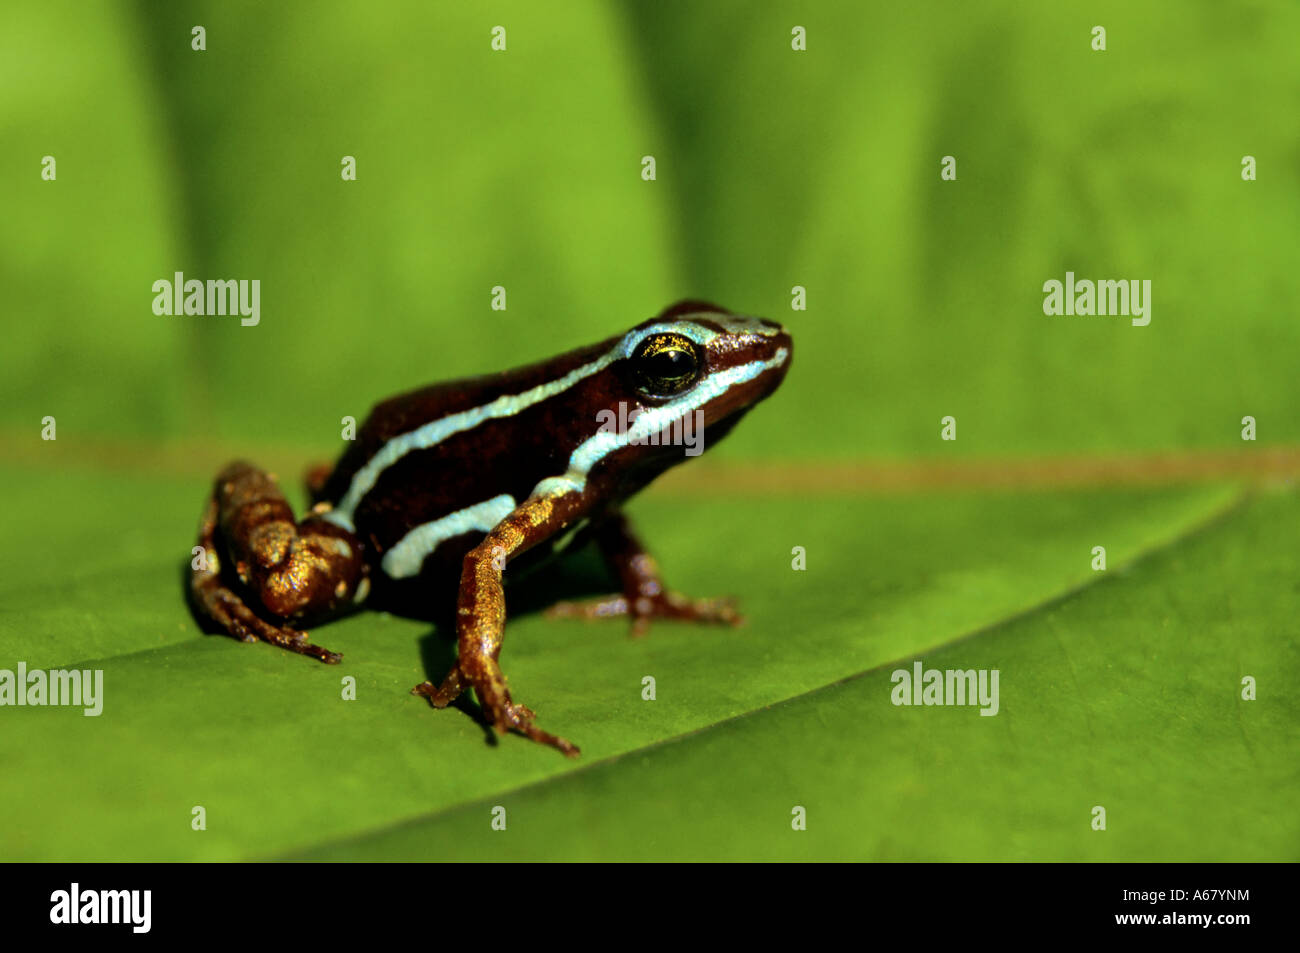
(444, 463)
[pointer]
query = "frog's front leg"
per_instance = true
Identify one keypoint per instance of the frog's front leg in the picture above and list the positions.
(644, 596)
(253, 549)
(481, 616)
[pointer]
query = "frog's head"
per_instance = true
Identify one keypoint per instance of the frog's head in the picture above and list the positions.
(697, 358)
(689, 374)
(662, 393)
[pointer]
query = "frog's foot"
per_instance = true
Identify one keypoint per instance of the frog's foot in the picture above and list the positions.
(440, 696)
(515, 717)
(644, 596)
(224, 607)
(498, 709)
(643, 608)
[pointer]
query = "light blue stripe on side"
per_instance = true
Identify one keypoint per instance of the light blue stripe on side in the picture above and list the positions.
(595, 448)
(436, 431)
(405, 559)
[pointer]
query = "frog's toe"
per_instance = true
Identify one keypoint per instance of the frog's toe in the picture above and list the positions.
(524, 712)
(720, 610)
(644, 609)
(296, 641)
(441, 696)
(225, 607)
(606, 607)
(519, 718)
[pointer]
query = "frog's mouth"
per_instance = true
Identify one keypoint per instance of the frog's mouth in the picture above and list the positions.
(754, 373)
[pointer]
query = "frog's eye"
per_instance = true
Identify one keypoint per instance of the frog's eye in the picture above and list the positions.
(665, 365)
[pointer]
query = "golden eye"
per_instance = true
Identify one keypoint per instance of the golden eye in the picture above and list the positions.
(665, 365)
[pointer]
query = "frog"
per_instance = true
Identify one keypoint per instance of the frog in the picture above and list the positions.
(442, 488)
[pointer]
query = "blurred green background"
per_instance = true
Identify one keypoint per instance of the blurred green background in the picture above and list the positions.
(775, 168)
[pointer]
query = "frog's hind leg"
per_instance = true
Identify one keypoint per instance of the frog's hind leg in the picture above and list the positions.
(644, 596)
(251, 546)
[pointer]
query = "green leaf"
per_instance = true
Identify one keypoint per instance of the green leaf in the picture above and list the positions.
(1124, 695)
(775, 169)
(265, 742)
